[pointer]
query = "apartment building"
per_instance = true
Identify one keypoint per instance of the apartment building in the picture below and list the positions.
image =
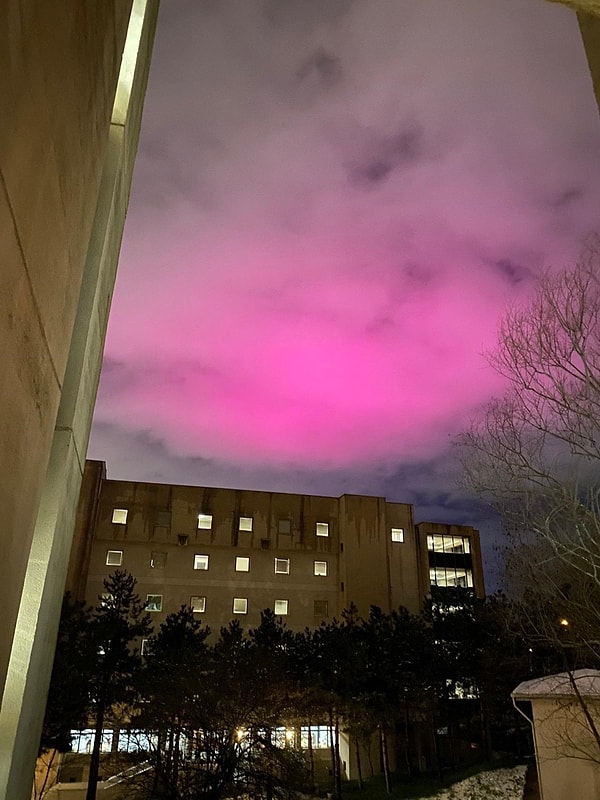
(229, 553)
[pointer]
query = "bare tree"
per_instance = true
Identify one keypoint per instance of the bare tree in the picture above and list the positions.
(535, 452)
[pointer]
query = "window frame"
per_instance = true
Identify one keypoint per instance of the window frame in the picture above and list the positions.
(320, 574)
(281, 613)
(112, 563)
(397, 535)
(243, 600)
(197, 562)
(245, 524)
(238, 564)
(153, 610)
(198, 597)
(118, 512)
(204, 517)
(322, 529)
(286, 562)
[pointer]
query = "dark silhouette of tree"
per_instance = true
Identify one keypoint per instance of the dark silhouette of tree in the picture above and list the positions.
(118, 621)
(174, 667)
(67, 707)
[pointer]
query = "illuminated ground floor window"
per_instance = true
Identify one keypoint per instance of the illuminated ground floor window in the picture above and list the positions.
(320, 736)
(132, 741)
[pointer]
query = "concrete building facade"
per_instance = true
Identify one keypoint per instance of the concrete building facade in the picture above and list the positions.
(232, 553)
(72, 83)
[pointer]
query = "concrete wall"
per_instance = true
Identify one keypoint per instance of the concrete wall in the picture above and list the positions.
(567, 754)
(70, 124)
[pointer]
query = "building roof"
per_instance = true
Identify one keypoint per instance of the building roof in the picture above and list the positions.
(560, 685)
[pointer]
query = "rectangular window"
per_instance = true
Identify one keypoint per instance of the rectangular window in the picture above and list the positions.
(282, 566)
(245, 524)
(449, 544)
(240, 605)
(183, 540)
(284, 526)
(320, 736)
(242, 564)
(106, 599)
(451, 576)
(158, 560)
(200, 562)
(198, 604)
(397, 534)
(119, 516)
(144, 649)
(322, 529)
(204, 522)
(320, 568)
(321, 608)
(114, 558)
(281, 607)
(154, 602)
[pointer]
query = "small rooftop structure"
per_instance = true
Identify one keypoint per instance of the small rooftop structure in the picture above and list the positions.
(565, 717)
(587, 682)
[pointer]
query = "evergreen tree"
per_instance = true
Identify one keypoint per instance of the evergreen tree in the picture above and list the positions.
(118, 621)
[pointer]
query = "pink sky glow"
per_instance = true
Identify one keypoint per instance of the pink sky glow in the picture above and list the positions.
(334, 201)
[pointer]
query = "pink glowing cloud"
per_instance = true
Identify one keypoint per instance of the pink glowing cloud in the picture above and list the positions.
(333, 204)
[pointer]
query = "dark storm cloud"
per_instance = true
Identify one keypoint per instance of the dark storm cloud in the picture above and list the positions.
(567, 198)
(324, 65)
(513, 272)
(386, 154)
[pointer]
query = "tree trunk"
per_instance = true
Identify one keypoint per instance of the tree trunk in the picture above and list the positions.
(409, 768)
(338, 760)
(311, 757)
(385, 760)
(332, 751)
(358, 764)
(95, 760)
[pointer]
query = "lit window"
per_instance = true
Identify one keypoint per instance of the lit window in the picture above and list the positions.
(242, 564)
(245, 524)
(204, 522)
(158, 560)
(119, 516)
(281, 607)
(114, 558)
(198, 604)
(285, 526)
(321, 608)
(320, 736)
(320, 568)
(240, 605)
(451, 576)
(106, 599)
(154, 602)
(397, 534)
(144, 647)
(282, 566)
(200, 562)
(322, 529)
(449, 544)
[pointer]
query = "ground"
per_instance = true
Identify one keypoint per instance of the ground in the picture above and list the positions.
(498, 784)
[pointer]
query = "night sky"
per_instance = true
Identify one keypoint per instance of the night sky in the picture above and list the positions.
(333, 203)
